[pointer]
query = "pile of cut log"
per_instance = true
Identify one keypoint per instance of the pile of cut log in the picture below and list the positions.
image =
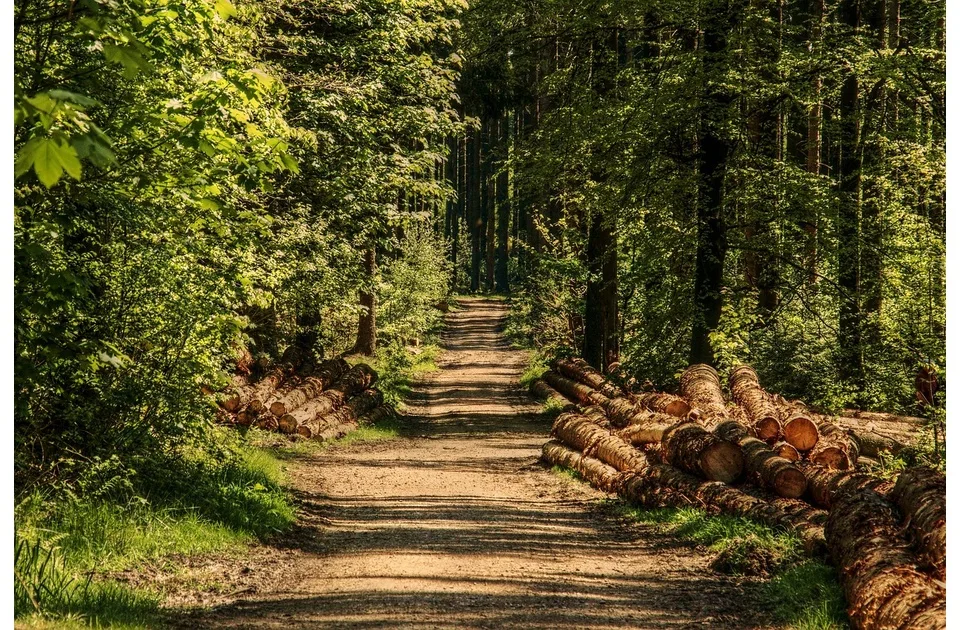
(775, 461)
(320, 401)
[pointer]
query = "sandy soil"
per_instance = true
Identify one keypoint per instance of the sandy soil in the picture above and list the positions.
(457, 525)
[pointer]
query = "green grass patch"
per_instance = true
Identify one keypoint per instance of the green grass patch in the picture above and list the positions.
(181, 505)
(567, 473)
(536, 366)
(807, 596)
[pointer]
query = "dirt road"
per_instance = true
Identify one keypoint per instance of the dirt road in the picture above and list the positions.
(456, 525)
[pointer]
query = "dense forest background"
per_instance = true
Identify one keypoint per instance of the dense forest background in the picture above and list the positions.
(203, 185)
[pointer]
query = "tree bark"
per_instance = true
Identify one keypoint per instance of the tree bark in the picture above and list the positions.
(920, 494)
(501, 278)
(367, 330)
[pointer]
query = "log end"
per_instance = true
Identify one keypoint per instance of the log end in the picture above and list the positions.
(277, 408)
(787, 451)
(231, 403)
(831, 457)
(801, 433)
(678, 408)
(790, 482)
(722, 461)
(767, 428)
(256, 405)
(304, 431)
(287, 424)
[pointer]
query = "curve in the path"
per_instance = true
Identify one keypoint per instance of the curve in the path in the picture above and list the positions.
(456, 525)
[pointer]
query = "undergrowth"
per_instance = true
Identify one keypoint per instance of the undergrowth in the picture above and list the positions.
(69, 539)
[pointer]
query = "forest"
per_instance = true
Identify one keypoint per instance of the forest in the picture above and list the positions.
(206, 188)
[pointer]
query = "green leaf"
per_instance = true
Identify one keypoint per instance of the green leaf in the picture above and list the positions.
(46, 162)
(51, 159)
(25, 157)
(129, 58)
(72, 97)
(225, 9)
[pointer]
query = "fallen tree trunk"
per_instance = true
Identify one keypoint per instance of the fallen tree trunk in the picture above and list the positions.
(700, 385)
(824, 486)
(800, 431)
(883, 587)
(542, 391)
(329, 426)
(586, 436)
(690, 447)
(763, 415)
(309, 387)
(664, 403)
(579, 370)
(575, 391)
(879, 416)
(920, 493)
(357, 379)
(600, 475)
(769, 469)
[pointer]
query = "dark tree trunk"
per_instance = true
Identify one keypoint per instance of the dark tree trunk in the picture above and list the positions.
(490, 216)
(367, 331)
(713, 152)
(474, 220)
(850, 329)
(503, 210)
(601, 339)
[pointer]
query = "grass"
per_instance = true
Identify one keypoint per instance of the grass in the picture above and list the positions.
(567, 473)
(68, 545)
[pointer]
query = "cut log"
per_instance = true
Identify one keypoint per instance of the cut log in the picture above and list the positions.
(542, 391)
(579, 370)
(700, 386)
(380, 414)
(763, 415)
(769, 469)
(824, 486)
(240, 397)
(660, 485)
(580, 433)
(871, 443)
(834, 449)
(787, 451)
(800, 431)
(575, 391)
(920, 493)
(328, 426)
(600, 475)
(664, 403)
(309, 387)
(646, 427)
(879, 416)
(690, 447)
(354, 381)
(883, 587)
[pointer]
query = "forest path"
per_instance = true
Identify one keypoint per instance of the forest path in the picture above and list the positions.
(456, 524)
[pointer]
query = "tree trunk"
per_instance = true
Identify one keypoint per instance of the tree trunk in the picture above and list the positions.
(367, 330)
(311, 387)
(713, 152)
(474, 220)
(850, 329)
(501, 279)
(746, 390)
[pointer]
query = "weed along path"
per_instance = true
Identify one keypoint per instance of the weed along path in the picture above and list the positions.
(455, 524)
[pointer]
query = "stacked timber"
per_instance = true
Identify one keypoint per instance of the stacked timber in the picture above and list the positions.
(296, 397)
(887, 538)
